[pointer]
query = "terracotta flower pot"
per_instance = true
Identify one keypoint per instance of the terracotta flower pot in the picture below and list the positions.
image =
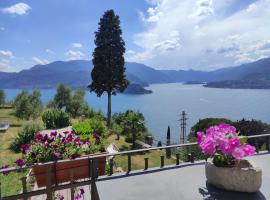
(60, 171)
(246, 177)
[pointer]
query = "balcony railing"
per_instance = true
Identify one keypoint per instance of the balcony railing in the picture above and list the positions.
(72, 184)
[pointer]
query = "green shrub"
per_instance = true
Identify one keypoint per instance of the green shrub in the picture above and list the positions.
(25, 136)
(55, 119)
(62, 120)
(129, 138)
(90, 126)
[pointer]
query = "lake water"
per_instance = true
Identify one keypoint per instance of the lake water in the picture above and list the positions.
(164, 105)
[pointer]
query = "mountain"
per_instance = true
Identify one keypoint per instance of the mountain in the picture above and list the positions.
(76, 73)
(255, 75)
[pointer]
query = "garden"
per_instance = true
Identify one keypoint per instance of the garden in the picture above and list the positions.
(26, 143)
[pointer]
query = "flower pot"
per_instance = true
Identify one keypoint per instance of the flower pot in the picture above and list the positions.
(60, 171)
(244, 178)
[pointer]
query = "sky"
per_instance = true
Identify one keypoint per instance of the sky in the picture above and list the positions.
(164, 34)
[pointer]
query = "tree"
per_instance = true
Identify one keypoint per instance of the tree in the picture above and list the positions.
(22, 105)
(253, 127)
(36, 104)
(2, 97)
(132, 125)
(108, 74)
(77, 104)
(205, 123)
(28, 105)
(62, 98)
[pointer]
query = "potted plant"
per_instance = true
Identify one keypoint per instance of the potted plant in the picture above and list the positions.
(225, 167)
(62, 146)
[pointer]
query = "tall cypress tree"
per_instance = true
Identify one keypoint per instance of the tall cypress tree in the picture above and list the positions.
(108, 74)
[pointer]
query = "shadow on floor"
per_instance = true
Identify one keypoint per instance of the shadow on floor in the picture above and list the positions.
(212, 193)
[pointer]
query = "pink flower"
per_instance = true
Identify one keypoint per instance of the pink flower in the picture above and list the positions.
(56, 154)
(5, 167)
(238, 153)
(20, 162)
(226, 148)
(97, 137)
(66, 132)
(200, 137)
(81, 191)
(45, 138)
(25, 148)
(53, 134)
(77, 140)
(226, 128)
(86, 141)
(248, 149)
(38, 137)
(234, 142)
(208, 146)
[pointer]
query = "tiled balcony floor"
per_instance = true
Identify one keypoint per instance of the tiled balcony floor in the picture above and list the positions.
(186, 182)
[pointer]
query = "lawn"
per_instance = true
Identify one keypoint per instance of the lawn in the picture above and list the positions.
(10, 184)
(137, 160)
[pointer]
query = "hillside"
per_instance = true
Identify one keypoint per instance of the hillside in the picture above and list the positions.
(76, 73)
(255, 75)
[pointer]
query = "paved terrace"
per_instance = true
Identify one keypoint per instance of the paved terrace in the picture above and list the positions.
(184, 182)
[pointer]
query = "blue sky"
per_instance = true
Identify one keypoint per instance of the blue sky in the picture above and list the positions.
(197, 34)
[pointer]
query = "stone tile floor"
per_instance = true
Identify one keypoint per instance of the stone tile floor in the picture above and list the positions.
(186, 182)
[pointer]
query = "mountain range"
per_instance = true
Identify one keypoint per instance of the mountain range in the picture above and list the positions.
(76, 73)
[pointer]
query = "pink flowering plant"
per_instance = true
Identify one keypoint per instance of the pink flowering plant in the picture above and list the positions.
(58, 146)
(223, 144)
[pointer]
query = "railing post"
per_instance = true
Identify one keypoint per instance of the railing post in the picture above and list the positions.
(257, 144)
(129, 163)
(161, 161)
(145, 163)
(191, 157)
(177, 158)
(72, 190)
(24, 186)
(111, 166)
(49, 182)
(0, 191)
(268, 143)
(94, 175)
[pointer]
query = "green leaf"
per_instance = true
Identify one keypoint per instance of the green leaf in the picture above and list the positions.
(243, 139)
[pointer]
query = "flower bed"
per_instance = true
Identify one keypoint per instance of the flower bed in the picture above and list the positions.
(61, 146)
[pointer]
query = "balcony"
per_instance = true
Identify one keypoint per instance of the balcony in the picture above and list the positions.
(185, 181)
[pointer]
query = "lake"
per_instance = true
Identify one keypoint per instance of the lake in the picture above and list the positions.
(164, 105)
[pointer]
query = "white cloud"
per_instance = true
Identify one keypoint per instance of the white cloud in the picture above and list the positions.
(19, 9)
(49, 51)
(40, 61)
(74, 55)
(203, 34)
(77, 45)
(131, 52)
(5, 60)
(6, 54)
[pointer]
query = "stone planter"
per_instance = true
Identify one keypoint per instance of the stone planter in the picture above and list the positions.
(60, 172)
(244, 178)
